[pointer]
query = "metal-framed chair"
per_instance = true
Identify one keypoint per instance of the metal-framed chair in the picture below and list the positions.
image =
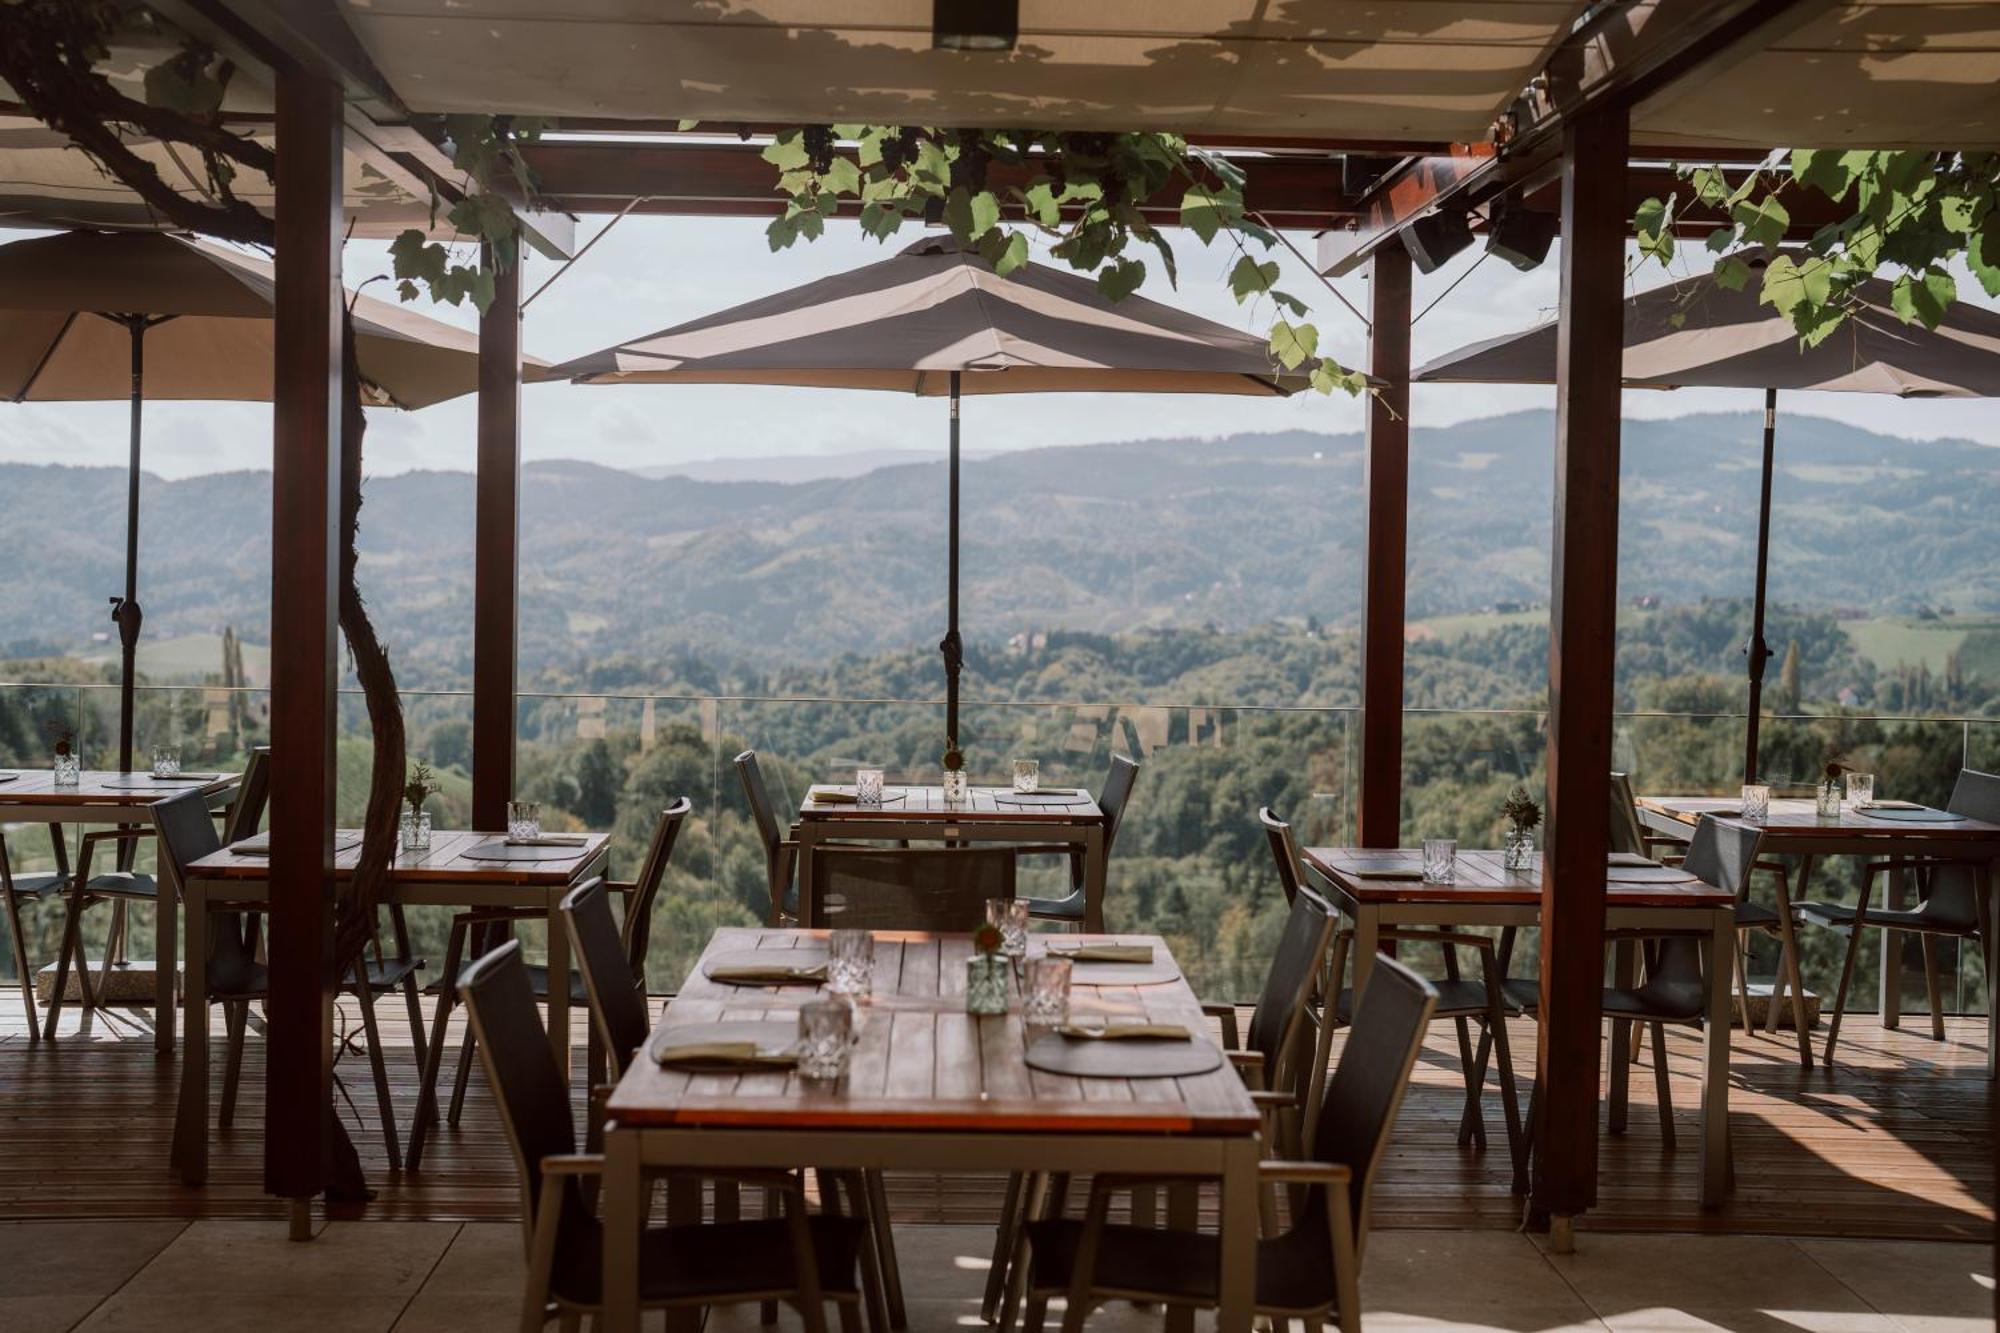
(801, 1259)
(781, 853)
(30, 888)
(1112, 800)
(1311, 1270)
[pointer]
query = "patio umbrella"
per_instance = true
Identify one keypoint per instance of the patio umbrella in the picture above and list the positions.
(1700, 334)
(137, 315)
(937, 321)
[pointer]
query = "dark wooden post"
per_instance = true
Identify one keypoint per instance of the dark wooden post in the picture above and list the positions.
(496, 553)
(305, 507)
(1589, 350)
(1379, 804)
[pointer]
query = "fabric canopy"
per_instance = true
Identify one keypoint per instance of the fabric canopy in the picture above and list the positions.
(1697, 333)
(906, 323)
(214, 338)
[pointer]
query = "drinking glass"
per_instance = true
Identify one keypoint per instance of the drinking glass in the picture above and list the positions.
(850, 963)
(1027, 775)
(868, 786)
(1756, 804)
(524, 820)
(1440, 860)
(1860, 789)
(1010, 917)
(826, 1032)
(1047, 1002)
(166, 761)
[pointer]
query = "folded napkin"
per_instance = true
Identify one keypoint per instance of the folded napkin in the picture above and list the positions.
(8, 777)
(833, 796)
(189, 777)
(1126, 1032)
(723, 1055)
(769, 974)
(550, 840)
(1044, 791)
(259, 844)
(1104, 953)
(1630, 859)
(1894, 805)
(1385, 873)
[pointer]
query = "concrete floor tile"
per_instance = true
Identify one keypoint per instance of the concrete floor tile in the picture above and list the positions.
(475, 1287)
(55, 1273)
(1923, 1287)
(1483, 1277)
(1650, 1280)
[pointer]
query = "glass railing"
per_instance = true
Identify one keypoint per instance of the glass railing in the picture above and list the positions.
(1191, 862)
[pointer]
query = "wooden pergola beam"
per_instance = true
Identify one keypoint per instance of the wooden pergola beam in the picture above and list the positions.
(496, 554)
(1384, 563)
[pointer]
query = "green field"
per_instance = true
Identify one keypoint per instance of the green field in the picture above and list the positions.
(188, 658)
(1890, 640)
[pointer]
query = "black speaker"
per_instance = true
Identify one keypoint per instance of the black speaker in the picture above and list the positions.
(1359, 172)
(1433, 239)
(1521, 237)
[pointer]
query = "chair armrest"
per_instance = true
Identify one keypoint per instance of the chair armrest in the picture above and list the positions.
(1460, 937)
(1283, 1172)
(1231, 1036)
(624, 886)
(1265, 1099)
(573, 1164)
(1249, 1065)
(117, 834)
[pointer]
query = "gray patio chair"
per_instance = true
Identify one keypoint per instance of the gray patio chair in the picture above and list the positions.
(781, 853)
(801, 1259)
(17, 889)
(914, 888)
(1310, 1271)
(1950, 908)
(1112, 800)
(491, 924)
(1284, 852)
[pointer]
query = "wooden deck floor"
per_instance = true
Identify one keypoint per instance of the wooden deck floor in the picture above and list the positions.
(1894, 1142)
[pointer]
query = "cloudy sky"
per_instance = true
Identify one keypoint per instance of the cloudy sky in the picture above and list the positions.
(652, 273)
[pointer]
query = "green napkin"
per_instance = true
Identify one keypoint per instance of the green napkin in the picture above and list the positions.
(1386, 873)
(833, 796)
(1104, 953)
(550, 840)
(723, 1055)
(1894, 805)
(1126, 1032)
(767, 974)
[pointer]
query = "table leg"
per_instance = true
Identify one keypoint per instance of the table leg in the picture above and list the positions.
(1367, 939)
(804, 874)
(1624, 975)
(1890, 994)
(622, 1222)
(1183, 1214)
(1986, 893)
(1239, 1236)
(166, 946)
(558, 964)
(1716, 1168)
(1788, 963)
(1093, 880)
(190, 1149)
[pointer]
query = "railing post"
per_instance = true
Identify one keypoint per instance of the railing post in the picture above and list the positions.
(496, 552)
(305, 502)
(1379, 809)
(1582, 614)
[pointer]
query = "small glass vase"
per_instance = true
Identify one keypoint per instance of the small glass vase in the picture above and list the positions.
(955, 784)
(1826, 800)
(416, 830)
(1519, 852)
(68, 769)
(986, 983)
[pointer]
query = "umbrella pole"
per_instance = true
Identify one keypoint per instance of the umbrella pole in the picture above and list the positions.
(1757, 651)
(125, 610)
(953, 650)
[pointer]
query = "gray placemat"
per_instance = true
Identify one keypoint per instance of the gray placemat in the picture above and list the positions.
(768, 1034)
(800, 958)
(8, 777)
(818, 797)
(1053, 1053)
(1924, 816)
(139, 781)
(496, 849)
(1155, 973)
(1641, 875)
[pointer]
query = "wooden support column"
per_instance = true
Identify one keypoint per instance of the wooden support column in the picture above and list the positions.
(1379, 804)
(1589, 349)
(305, 506)
(496, 553)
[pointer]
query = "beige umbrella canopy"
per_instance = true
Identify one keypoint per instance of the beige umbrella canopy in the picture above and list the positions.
(137, 315)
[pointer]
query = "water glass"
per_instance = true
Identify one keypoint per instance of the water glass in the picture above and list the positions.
(524, 820)
(1756, 804)
(1047, 1001)
(1010, 917)
(826, 1033)
(868, 786)
(850, 963)
(1440, 860)
(1860, 789)
(1027, 775)
(166, 761)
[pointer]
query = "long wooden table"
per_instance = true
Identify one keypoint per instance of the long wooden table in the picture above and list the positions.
(443, 877)
(929, 1087)
(1794, 828)
(114, 799)
(921, 814)
(1485, 893)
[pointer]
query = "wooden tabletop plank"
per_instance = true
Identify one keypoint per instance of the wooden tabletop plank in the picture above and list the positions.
(445, 861)
(921, 1062)
(1480, 877)
(37, 787)
(920, 804)
(1799, 817)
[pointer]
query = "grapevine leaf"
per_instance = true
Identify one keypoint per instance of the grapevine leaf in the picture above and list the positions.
(1291, 343)
(1120, 278)
(1762, 223)
(1249, 277)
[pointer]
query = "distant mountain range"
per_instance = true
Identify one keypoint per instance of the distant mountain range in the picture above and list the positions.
(1169, 532)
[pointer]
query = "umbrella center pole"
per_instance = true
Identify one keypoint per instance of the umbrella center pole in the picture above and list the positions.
(1757, 652)
(952, 647)
(125, 611)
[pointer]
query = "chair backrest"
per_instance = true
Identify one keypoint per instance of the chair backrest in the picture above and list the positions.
(1723, 854)
(1954, 893)
(1284, 851)
(186, 833)
(617, 999)
(1366, 1089)
(1279, 1017)
(499, 1002)
(1117, 792)
(637, 932)
(926, 888)
(759, 797)
(1627, 834)
(253, 793)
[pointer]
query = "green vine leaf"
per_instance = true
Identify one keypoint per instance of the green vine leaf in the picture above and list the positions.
(1291, 344)
(1250, 278)
(1121, 278)
(1763, 222)
(1654, 223)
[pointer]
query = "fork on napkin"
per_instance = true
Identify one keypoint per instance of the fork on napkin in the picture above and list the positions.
(767, 973)
(1104, 953)
(1126, 1032)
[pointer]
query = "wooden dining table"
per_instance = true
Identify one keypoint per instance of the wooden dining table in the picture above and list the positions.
(110, 798)
(1795, 828)
(453, 873)
(928, 1087)
(987, 814)
(1482, 892)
